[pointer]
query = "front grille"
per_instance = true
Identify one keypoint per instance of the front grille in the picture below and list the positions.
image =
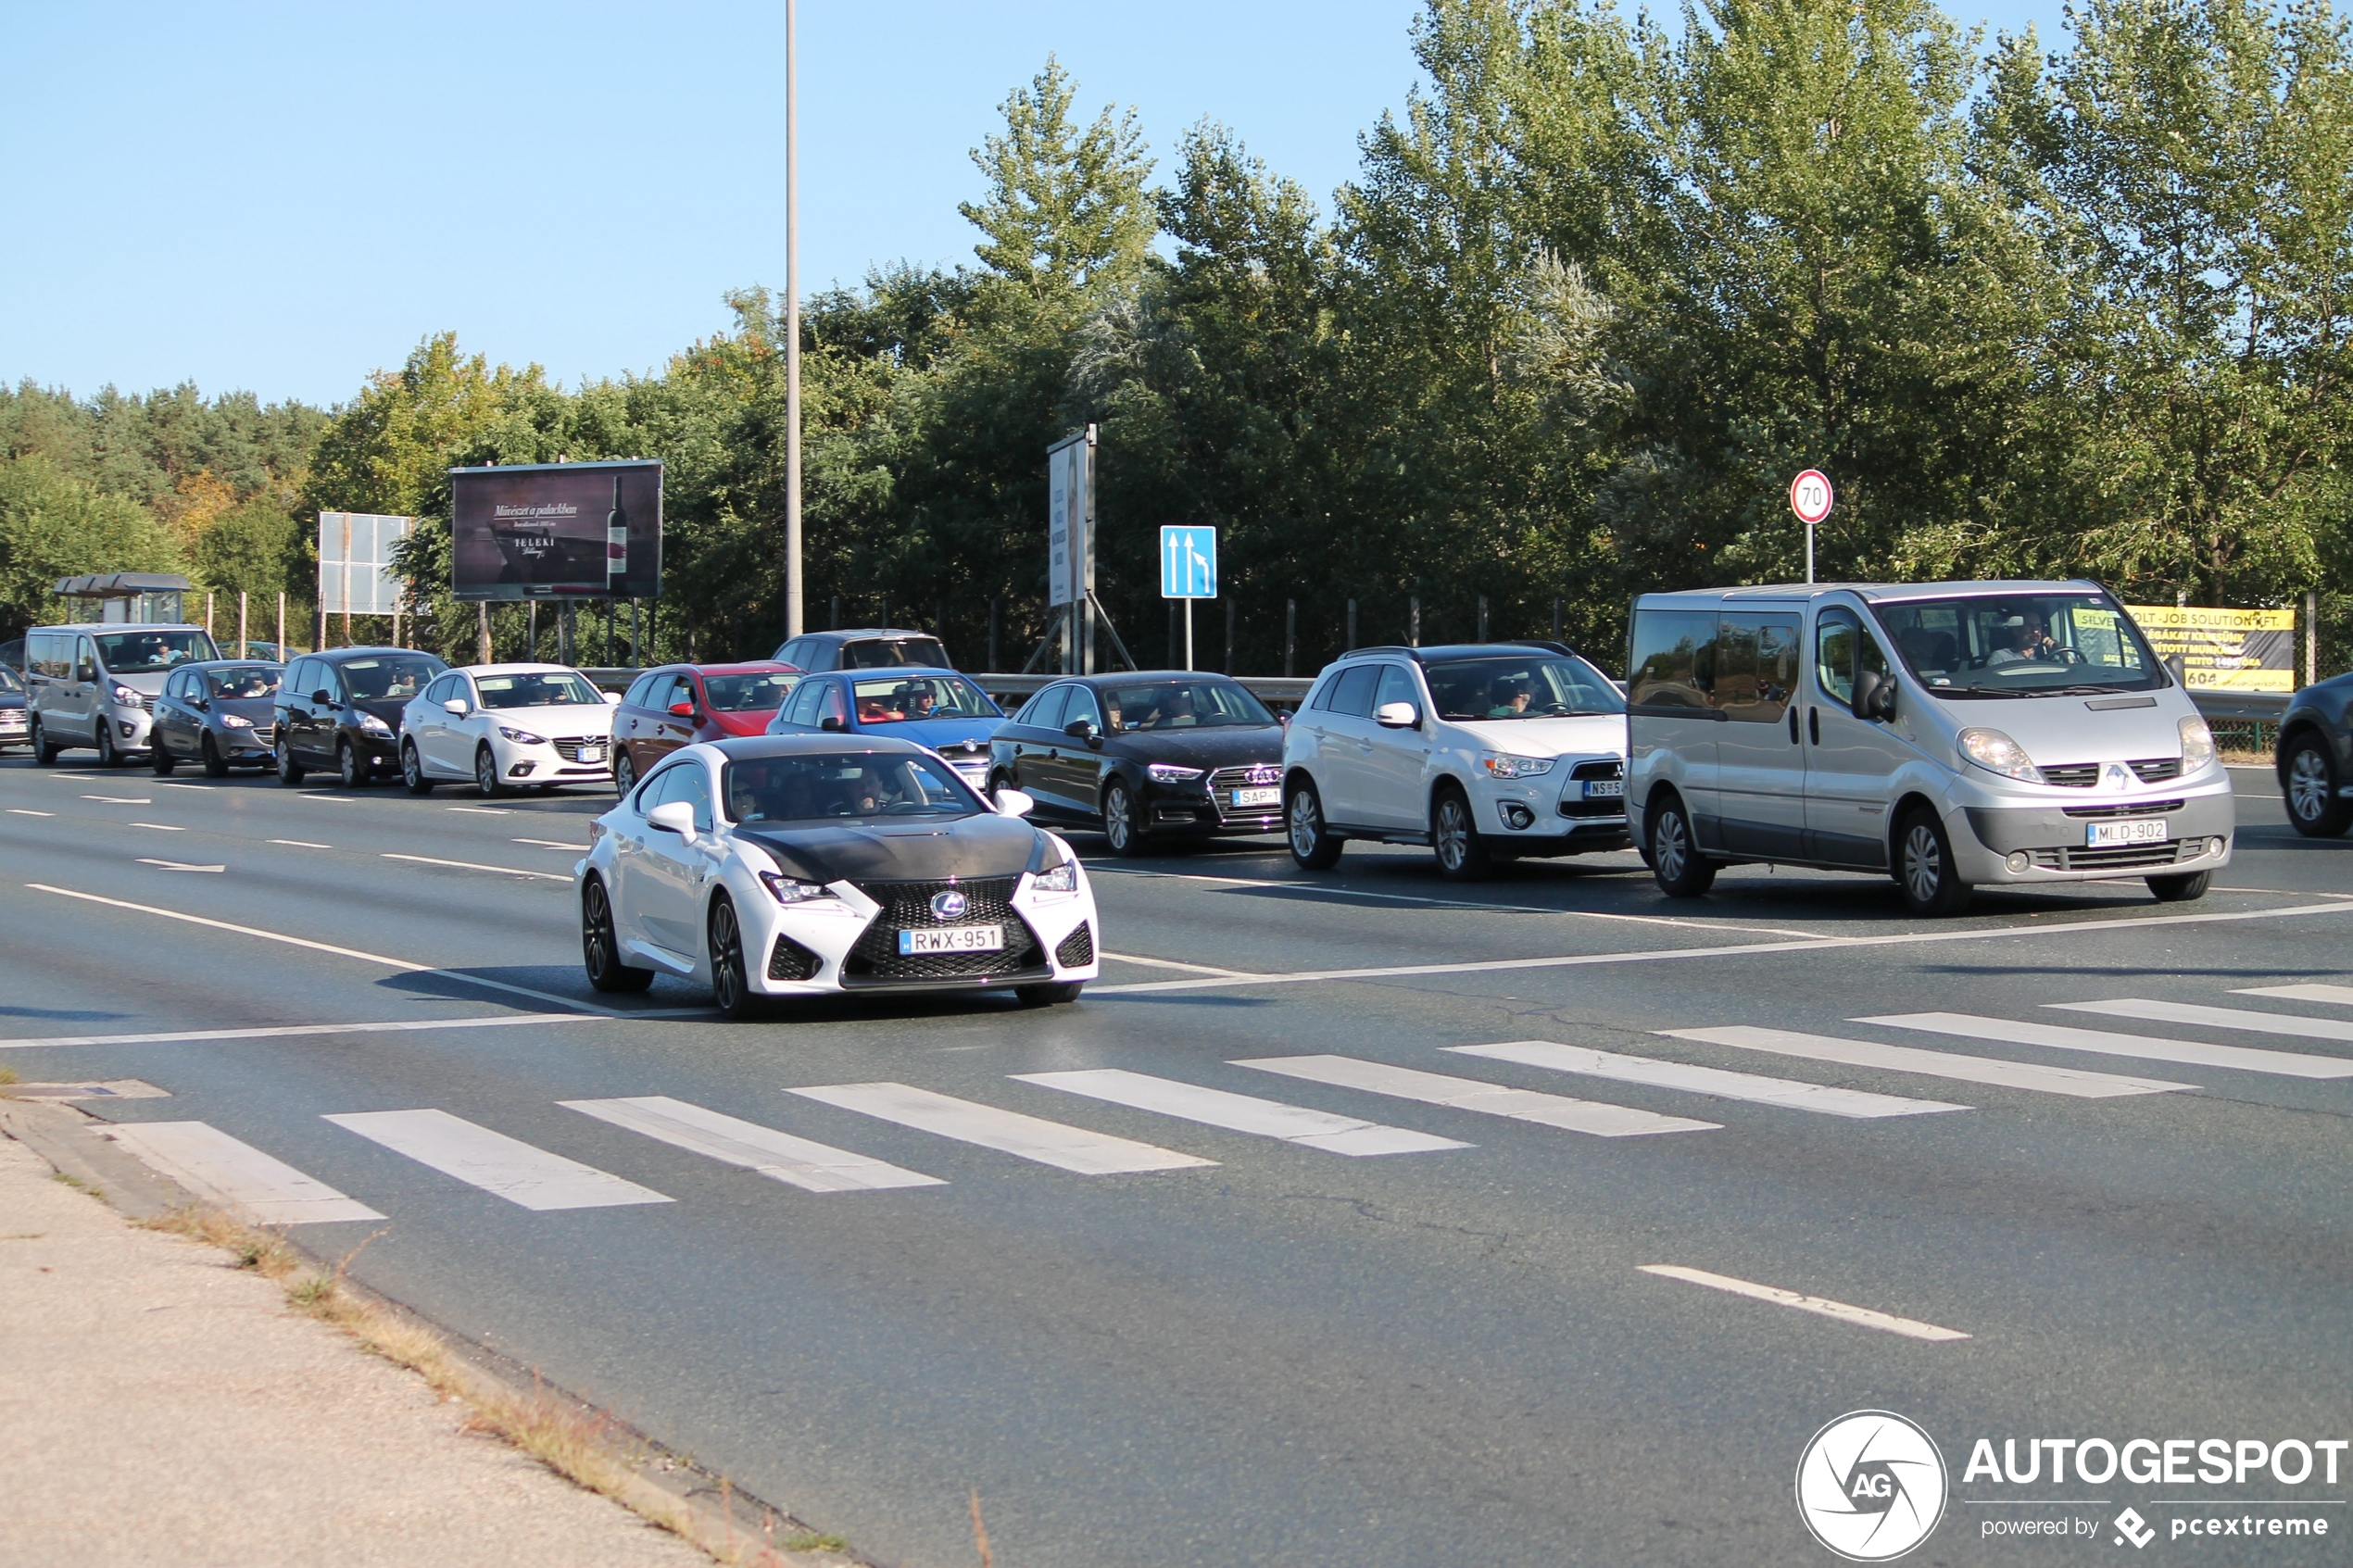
(790, 960)
(1078, 949)
(2145, 808)
(1574, 804)
(907, 906)
(2110, 858)
(2157, 769)
(1254, 775)
(568, 747)
(2072, 776)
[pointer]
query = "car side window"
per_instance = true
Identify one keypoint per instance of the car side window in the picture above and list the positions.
(1082, 705)
(689, 785)
(1353, 692)
(1841, 648)
(1756, 667)
(639, 690)
(298, 684)
(85, 660)
(802, 708)
(1671, 662)
(1397, 685)
(831, 704)
(1046, 712)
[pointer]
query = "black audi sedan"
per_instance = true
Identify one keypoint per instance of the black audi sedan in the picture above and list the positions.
(1160, 754)
(221, 713)
(2315, 758)
(341, 709)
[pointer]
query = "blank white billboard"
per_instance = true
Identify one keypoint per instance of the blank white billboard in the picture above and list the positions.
(355, 563)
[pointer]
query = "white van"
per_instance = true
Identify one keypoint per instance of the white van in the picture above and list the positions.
(95, 684)
(1948, 734)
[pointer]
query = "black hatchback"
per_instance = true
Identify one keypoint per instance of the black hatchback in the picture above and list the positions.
(341, 709)
(1167, 753)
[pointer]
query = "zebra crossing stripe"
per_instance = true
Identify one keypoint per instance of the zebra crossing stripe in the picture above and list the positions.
(235, 1176)
(2248, 1019)
(1470, 1094)
(813, 1167)
(1932, 1064)
(1240, 1113)
(2340, 994)
(2110, 1042)
(1788, 1093)
(505, 1167)
(1008, 1132)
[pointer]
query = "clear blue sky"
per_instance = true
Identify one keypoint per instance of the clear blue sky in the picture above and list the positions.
(284, 197)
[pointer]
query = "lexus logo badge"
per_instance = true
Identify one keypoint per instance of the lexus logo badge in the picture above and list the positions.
(950, 905)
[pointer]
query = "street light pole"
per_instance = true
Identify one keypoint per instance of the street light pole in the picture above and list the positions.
(792, 320)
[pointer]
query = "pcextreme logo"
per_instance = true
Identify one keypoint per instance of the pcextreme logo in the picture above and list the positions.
(1871, 1486)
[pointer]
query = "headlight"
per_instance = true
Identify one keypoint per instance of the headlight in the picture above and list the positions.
(1168, 773)
(2197, 745)
(235, 721)
(372, 725)
(1996, 752)
(1504, 765)
(125, 698)
(1061, 879)
(790, 890)
(522, 738)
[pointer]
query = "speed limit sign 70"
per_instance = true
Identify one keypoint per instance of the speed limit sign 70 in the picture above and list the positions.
(1809, 495)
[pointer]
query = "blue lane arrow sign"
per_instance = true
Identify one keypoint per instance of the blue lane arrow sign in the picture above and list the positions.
(1189, 563)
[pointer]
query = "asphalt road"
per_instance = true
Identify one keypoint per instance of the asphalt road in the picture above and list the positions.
(1289, 1355)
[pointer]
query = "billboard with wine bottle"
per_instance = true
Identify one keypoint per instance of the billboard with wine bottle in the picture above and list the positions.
(530, 530)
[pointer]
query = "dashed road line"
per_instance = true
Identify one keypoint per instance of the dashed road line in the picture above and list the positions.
(481, 810)
(177, 866)
(298, 1031)
(122, 800)
(551, 844)
(1174, 963)
(21, 811)
(159, 827)
(1911, 1328)
(477, 866)
(300, 844)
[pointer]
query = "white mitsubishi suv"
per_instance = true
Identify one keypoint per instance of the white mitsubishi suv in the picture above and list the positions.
(1485, 752)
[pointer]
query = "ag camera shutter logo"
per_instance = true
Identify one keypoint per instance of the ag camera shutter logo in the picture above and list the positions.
(1872, 1486)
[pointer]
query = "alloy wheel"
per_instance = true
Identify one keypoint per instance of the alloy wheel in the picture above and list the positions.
(1453, 835)
(1306, 824)
(107, 758)
(625, 773)
(727, 958)
(2308, 794)
(596, 933)
(485, 772)
(350, 771)
(1119, 825)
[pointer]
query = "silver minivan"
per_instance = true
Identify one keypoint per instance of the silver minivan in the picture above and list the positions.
(95, 684)
(1946, 733)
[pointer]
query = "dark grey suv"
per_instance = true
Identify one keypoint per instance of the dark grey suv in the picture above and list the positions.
(866, 648)
(217, 714)
(2315, 758)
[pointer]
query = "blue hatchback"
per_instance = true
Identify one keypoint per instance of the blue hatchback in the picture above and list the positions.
(932, 706)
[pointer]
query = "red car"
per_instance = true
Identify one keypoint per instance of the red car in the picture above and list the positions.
(680, 704)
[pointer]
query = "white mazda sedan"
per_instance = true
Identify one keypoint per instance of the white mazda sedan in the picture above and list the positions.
(508, 726)
(815, 865)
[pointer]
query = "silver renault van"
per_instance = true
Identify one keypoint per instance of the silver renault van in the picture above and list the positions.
(95, 684)
(1947, 734)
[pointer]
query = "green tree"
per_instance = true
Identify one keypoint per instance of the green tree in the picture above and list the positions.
(53, 526)
(1067, 210)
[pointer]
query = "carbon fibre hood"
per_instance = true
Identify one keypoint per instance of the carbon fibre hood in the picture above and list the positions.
(882, 850)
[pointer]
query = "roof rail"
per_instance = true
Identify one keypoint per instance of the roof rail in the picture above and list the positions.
(1550, 645)
(1414, 654)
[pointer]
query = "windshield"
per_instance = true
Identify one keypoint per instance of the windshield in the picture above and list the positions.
(748, 694)
(145, 653)
(1181, 705)
(537, 688)
(904, 697)
(844, 786)
(1538, 685)
(393, 678)
(251, 681)
(883, 653)
(2020, 644)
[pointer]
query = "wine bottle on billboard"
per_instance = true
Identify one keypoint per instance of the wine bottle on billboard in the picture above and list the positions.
(616, 537)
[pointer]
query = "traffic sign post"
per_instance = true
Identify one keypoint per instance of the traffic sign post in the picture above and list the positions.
(1189, 571)
(1809, 497)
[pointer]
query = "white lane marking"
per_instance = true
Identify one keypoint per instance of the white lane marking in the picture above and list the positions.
(108, 1088)
(551, 844)
(2248, 1019)
(2340, 994)
(2108, 1042)
(1745, 949)
(122, 800)
(234, 1174)
(481, 810)
(76, 778)
(1470, 1094)
(176, 866)
(1911, 1328)
(1172, 963)
(167, 784)
(159, 827)
(521, 1173)
(474, 866)
(1788, 1093)
(1932, 1064)
(815, 1167)
(400, 965)
(301, 843)
(20, 811)
(329, 799)
(1008, 1132)
(1241, 1114)
(297, 1031)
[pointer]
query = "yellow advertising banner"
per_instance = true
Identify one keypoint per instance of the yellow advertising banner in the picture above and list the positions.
(2230, 650)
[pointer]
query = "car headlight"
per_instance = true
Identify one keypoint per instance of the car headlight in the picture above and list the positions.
(2197, 745)
(1996, 752)
(235, 721)
(372, 725)
(791, 890)
(1061, 879)
(1504, 765)
(522, 738)
(125, 698)
(1169, 772)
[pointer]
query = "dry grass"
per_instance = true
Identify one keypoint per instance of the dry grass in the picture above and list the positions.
(7, 1075)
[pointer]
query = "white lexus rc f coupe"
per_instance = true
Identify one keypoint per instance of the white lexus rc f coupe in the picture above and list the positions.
(813, 865)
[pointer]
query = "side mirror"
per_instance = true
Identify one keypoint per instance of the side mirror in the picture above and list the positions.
(1397, 716)
(1078, 729)
(455, 706)
(831, 722)
(682, 711)
(1283, 718)
(673, 816)
(201, 704)
(1874, 694)
(322, 695)
(1013, 803)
